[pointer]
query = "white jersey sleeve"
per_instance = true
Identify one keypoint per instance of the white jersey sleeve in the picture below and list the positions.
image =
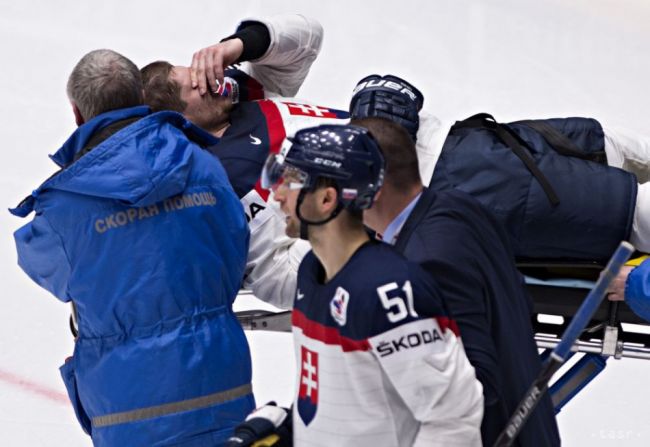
(427, 366)
(431, 137)
(273, 257)
(295, 43)
(628, 150)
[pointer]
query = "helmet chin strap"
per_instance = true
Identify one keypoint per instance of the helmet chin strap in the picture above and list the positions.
(304, 223)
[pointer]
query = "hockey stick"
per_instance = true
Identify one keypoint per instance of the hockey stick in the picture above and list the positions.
(562, 350)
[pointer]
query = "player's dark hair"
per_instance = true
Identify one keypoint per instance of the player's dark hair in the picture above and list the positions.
(160, 91)
(398, 149)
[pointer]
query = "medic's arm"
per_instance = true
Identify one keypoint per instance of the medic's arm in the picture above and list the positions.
(42, 256)
(637, 290)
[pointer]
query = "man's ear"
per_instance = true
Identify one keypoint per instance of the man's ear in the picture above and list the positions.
(77, 114)
(329, 199)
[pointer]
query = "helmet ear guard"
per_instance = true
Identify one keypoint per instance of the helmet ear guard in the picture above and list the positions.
(388, 97)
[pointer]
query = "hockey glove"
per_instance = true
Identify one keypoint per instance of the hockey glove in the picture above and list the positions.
(267, 426)
(388, 97)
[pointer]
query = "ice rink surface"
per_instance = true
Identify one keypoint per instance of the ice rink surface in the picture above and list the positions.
(513, 58)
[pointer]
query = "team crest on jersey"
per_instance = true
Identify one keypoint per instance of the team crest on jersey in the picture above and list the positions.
(308, 391)
(339, 306)
(315, 111)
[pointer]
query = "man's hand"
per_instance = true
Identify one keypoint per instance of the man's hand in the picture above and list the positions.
(267, 426)
(209, 63)
(616, 291)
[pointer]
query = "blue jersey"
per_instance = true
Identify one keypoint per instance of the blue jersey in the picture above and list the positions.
(380, 361)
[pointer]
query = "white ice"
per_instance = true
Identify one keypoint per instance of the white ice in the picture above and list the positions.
(513, 58)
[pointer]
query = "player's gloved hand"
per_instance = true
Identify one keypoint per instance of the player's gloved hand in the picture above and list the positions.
(267, 426)
(388, 97)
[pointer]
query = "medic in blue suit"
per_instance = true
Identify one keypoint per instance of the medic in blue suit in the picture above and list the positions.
(141, 230)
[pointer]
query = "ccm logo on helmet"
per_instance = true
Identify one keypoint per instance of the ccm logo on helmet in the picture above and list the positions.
(327, 162)
(399, 88)
(409, 341)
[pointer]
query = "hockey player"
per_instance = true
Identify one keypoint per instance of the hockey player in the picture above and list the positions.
(141, 230)
(379, 360)
(468, 254)
(540, 178)
(281, 49)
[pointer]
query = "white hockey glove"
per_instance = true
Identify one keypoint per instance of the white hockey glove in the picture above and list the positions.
(267, 426)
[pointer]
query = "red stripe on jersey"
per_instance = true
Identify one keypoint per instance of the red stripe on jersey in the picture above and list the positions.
(447, 323)
(277, 134)
(325, 334)
(264, 193)
(255, 90)
(274, 124)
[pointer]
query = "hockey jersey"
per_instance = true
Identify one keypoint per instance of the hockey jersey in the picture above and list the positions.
(258, 128)
(379, 360)
(295, 41)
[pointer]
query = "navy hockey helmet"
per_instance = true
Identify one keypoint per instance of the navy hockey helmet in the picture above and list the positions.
(347, 154)
(388, 97)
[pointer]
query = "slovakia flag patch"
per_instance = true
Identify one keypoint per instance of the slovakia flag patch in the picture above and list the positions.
(315, 111)
(308, 391)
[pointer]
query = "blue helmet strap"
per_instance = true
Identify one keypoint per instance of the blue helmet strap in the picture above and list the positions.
(305, 222)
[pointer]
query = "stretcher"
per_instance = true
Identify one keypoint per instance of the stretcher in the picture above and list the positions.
(558, 289)
(615, 331)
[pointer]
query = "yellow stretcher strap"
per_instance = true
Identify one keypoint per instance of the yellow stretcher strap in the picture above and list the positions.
(637, 261)
(269, 441)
